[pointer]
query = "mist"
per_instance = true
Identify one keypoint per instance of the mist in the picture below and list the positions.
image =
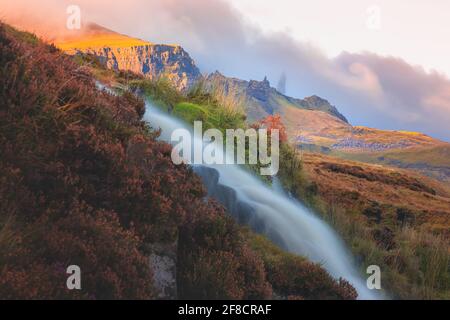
(369, 89)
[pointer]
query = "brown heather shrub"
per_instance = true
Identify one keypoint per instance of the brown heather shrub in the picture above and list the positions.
(83, 181)
(36, 268)
(215, 262)
(294, 276)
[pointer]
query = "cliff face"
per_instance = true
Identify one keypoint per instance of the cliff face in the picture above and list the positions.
(121, 52)
(151, 61)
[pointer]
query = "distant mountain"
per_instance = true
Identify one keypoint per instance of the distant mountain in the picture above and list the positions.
(312, 123)
(319, 132)
(262, 99)
(120, 52)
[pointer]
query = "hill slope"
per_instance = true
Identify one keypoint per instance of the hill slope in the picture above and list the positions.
(314, 125)
(394, 218)
(95, 36)
(406, 150)
(85, 182)
(262, 100)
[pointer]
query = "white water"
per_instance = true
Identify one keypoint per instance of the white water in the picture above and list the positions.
(284, 220)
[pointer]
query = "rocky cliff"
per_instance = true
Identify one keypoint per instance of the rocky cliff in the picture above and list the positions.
(121, 52)
(152, 61)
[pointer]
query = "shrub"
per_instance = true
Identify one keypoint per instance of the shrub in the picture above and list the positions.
(215, 262)
(294, 276)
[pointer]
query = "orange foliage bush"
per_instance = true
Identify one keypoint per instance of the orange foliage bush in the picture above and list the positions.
(272, 122)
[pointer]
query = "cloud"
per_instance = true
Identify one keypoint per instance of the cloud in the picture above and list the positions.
(371, 90)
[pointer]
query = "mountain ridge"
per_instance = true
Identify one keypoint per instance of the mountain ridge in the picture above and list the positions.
(265, 100)
(121, 52)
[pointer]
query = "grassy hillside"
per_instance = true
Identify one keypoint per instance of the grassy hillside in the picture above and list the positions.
(322, 133)
(100, 40)
(84, 182)
(389, 217)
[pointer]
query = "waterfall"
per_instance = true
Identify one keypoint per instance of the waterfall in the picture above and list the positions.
(284, 220)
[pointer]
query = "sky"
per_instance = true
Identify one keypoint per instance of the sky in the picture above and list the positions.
(416, 30)
(381, 64)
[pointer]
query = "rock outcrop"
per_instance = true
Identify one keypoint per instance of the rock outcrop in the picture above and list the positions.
(121, 52)
(152, 61)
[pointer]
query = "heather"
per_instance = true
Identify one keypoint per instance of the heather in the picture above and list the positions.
(84, 181)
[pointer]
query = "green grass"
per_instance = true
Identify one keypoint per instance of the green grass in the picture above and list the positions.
(197, 105)
(23, 36)
(191, 112)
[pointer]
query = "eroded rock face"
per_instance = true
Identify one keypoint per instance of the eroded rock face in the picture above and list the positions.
(163, 262)
(151, 61)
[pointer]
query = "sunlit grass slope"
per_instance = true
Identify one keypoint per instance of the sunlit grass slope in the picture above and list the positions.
(95, 36)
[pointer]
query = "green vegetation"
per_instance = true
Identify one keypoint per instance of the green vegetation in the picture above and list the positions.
(26, 37)
(198, 104)
(413, 259)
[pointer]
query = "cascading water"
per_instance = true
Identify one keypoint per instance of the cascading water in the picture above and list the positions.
(285, 221)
